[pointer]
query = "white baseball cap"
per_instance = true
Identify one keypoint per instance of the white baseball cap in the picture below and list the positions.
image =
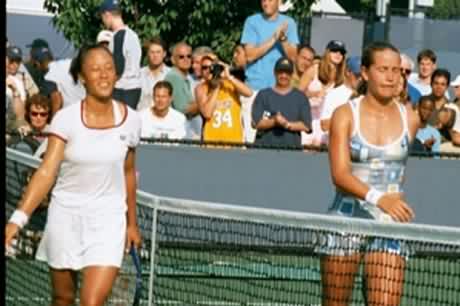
(456, 82)
(104, 36)
(285, 6)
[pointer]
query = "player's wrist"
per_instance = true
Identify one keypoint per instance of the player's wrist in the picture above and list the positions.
(373, 196)
(19, 218)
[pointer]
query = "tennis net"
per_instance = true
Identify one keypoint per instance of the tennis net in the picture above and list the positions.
(217, 254)
(27, 279)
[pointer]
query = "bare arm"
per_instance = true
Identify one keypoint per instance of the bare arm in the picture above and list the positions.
(206, 100)
(43, 179)
(56, 102)
(455, 136)
(298, 126)
(339, 154)
(306, 79)
(241, 88)
(39, 186)
(265, 124)
(133, 236)
(413, 121)
(325, 125)
(192, 109)
(290, 50)
(253, 52)
(131, 185)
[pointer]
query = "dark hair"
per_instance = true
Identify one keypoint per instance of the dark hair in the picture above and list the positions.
(163, 84)
(426, 53)
(441, 73)
(77, 62)
(423, 99)
(368, 54)
(38, 100)
(361, 89)
(306, 46)
(157, 40)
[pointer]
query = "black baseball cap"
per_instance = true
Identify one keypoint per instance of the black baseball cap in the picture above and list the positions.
(14, 53)
(41, 54)
(38, 43)
(284, 64)
(337, 45)
(109, 5)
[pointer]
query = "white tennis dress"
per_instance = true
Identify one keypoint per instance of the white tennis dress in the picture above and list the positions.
(86, 223)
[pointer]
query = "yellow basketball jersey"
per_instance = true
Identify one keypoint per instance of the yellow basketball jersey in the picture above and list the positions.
(225, 124)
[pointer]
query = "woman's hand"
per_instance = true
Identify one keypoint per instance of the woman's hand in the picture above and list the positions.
(11, 231)
(394, 205)
(11, 83)
(24, 130)
(133, 237)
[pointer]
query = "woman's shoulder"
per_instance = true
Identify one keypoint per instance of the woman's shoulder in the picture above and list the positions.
(129, 116)
(70, 111)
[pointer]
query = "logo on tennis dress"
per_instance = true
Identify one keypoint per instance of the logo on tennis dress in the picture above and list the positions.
(123, 137)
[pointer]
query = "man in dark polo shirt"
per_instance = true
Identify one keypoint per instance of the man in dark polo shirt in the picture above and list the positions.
(281, 113)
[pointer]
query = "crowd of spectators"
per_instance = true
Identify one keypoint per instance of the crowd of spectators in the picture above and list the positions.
(276, 91)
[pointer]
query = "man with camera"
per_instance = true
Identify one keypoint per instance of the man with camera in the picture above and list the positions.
(218, 98)
(281, 113)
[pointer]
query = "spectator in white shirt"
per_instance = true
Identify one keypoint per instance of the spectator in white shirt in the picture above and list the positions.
(426, 60)
(456, 86)
(341, 94)
(63, 90)
(161, 120)
(155, 70)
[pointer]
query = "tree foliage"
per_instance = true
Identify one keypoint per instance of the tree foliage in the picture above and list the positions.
(445, 9)
(216, 23)
(442, 9)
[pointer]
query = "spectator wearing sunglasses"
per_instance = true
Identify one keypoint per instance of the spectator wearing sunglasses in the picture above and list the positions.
(219, 101)
(318, 80)
(407, 65)
(180, 80)
(37, 116)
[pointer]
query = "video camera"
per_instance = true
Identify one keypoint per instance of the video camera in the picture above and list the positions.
(216, 70)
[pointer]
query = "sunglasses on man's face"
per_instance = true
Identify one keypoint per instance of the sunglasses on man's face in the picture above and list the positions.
(406, 71)
(41, 114)
(182, 56)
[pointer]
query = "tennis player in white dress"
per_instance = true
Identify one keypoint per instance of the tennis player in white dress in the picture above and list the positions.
(91, 159)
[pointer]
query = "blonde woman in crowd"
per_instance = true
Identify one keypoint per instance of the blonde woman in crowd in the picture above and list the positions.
(318, 80)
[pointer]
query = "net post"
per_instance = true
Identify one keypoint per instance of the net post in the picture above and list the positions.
(155, 202)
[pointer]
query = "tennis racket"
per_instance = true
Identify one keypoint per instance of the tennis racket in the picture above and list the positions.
(137, 265)
(128, 286)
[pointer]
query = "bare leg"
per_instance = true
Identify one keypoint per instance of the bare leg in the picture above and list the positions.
(337, 278)
(384, 273)
(64, 284)
(97, 284)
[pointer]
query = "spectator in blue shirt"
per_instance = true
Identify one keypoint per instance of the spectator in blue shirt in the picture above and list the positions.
(266, 37)
(427, 134)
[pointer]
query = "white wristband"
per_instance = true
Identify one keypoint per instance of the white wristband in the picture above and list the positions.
(19, 218)
(373, 196)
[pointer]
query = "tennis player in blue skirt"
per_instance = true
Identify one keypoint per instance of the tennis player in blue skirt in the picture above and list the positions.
(369, 144)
